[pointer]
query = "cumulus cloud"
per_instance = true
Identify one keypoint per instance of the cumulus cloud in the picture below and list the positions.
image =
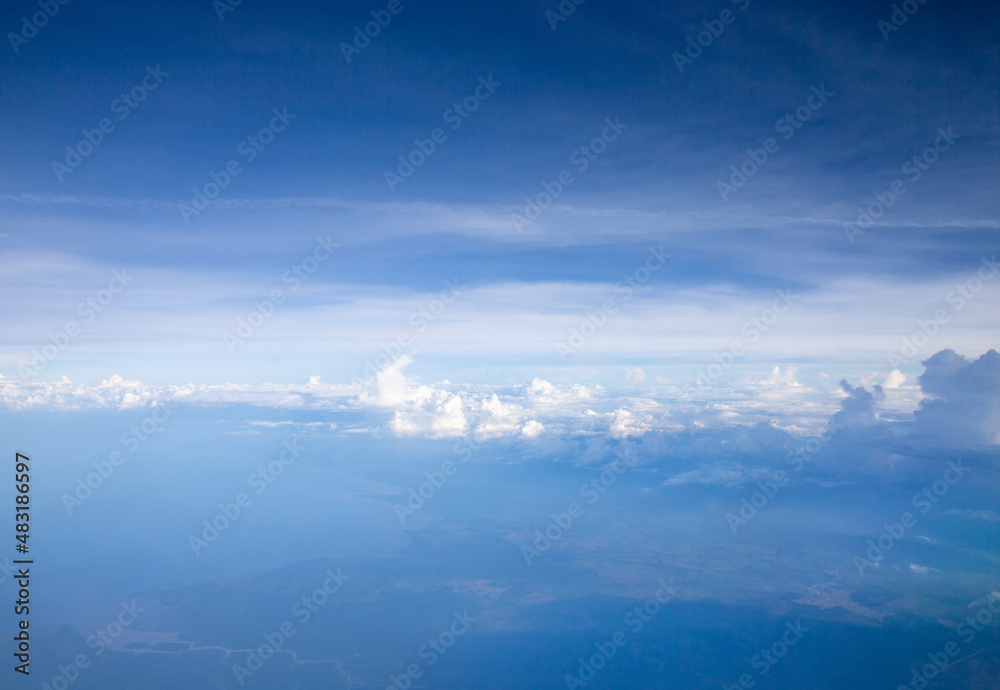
(626, 424)
(449, 418)
(858, 409)
(409, 407)
(542, 392)
(497, 419)
(777, 377)
(417, 409)
(858, 441)
(961, 404)
(540, 388)
(533, 429)
(895, 379)
(446, 410)
(964, 398)
(390, 388)
(635, 376)
(114, 391)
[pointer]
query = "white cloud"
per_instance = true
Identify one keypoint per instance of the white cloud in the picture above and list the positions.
(777, 377)
(532, 429)
(539, 388)
(417, 409)
(114, 391)
(635, 376)
(496, 418)
(411, 408)
(449, 418)
(171, 319)
(543, 393)
(895, 379)
(395, 403)
(390, 388)
(626, 424)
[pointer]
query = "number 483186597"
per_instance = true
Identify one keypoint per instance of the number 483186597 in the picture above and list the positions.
(22, 480)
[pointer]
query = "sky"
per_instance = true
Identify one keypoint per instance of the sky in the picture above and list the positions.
(651, 264)
(482, 262)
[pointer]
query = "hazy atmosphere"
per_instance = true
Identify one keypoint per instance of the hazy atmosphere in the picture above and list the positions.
(534, 345)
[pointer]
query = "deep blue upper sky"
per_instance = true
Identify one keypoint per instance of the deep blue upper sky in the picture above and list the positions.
(557, 86)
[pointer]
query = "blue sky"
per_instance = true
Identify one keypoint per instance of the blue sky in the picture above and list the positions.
(736, 242)
(656, 185)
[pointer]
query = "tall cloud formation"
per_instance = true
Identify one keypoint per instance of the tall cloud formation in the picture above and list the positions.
(964, 398)
(858, 408)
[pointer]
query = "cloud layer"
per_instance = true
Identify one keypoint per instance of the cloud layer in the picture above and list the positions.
(757, 420)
